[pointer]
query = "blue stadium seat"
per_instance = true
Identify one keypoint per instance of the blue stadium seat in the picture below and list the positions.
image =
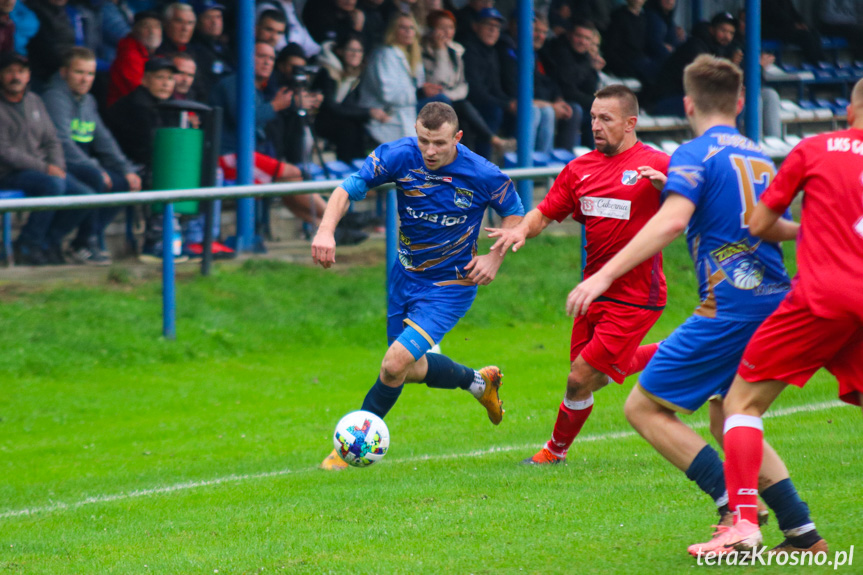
(357, 163)
(314, 171)
(562, 156)
(510, 160)
(833, 43)
(541, 159)
(339, 170)
(7, 224)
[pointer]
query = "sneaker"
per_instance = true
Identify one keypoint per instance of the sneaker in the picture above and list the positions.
(742, 536)
(30, 255)
(490, 398)
(88, 257)
(156, 258)
(788, 547)
(54, 255)
(333, 462)
(544, 457)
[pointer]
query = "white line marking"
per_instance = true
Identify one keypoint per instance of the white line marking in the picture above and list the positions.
(253, 476)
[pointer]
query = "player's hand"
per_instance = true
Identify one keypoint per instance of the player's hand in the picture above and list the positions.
(656, 177)
(506, 237)
(324, 248)
(483, 269)
(586, 293)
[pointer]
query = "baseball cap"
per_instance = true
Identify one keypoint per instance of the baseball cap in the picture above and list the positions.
(157, 64)
(723, 18)
(489, 13)
(9, 58)
(209, 5)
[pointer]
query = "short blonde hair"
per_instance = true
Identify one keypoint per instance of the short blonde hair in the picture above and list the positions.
(714, 85)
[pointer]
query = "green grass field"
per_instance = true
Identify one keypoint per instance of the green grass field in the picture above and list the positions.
(122, 453)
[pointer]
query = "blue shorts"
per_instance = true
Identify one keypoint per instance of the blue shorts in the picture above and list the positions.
(699, 360)
(419, 314)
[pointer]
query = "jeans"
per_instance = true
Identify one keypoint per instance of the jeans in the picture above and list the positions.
(543, 129)
(569, 131)
(47, 228)
(96, 220)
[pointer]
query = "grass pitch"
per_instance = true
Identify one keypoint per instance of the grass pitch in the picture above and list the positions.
(122, 453)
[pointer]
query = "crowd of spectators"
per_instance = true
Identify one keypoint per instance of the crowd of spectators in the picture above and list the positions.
(353, 72)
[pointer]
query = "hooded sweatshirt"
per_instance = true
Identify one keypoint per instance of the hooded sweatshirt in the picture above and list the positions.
(86, 140)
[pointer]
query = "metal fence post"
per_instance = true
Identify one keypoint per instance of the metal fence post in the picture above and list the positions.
(169, 303)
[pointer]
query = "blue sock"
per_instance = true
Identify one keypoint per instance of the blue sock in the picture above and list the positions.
(381, 398)
(791, 512)
(444, 373)
(706, 471)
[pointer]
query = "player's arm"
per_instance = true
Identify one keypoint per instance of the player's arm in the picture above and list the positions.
(668, 223)
(770, 226)
(483, 269)
(516, 235)
(324, 244)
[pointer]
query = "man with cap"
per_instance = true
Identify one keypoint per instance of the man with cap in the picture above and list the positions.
(31, 159)
(465, 17)
(133, 51)
(483, 74)
(133, 117)
(716, 38)
(212, 56)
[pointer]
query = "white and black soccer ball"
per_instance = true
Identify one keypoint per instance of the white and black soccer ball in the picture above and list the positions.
(361, 438)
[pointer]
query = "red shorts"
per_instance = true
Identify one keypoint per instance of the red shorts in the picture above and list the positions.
(792, 344)
(266, 169)
(607, 337)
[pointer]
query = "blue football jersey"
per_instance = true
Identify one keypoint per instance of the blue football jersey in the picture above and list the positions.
(441, 210)
(740, 277)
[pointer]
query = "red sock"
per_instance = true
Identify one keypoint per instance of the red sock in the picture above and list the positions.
(567, 427)
(744, 449)
(642, 357)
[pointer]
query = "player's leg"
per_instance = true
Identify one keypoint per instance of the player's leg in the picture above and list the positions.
(602, 348)
(642, 357)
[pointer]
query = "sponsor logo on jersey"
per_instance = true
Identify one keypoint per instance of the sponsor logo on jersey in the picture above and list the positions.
(629, 178)
(405, 259)
(606, 207)
(739, 264)
(463, 198)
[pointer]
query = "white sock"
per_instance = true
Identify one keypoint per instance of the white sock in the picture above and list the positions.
(798, 531)
(477, 388)
(577, 405)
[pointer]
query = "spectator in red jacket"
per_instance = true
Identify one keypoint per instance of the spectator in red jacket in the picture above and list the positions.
(133, 51)
(7, 26)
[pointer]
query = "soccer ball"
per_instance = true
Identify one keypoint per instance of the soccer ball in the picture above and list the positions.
(361, 438)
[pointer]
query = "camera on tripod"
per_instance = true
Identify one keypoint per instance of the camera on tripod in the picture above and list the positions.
(302, 77)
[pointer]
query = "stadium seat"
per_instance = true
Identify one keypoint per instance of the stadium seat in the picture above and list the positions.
(669, 146)
(510, 160)
(581, 150)
(541, 159)
(357, 163)
(339, 170)
(792, 140)
(313, 171)
(561, 156)
(7, 224)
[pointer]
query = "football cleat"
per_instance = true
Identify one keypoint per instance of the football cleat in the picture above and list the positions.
(743, 536)
(490, 398)
(544, 457)
(333, 462)
(788, 547)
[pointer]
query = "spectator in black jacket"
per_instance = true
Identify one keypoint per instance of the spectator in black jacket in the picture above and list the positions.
(327, 20)
(467, 15)
(663, 34)
(213, 57)
(341, 119)
(47, 48)
(782, 21)
(482, 71)
(569, 63)
(626, 44)
(666, 96)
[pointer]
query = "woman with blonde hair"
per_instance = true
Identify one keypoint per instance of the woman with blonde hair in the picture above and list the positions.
(393, 81)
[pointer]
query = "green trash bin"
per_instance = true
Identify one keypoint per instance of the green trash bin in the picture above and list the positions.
(177, 154)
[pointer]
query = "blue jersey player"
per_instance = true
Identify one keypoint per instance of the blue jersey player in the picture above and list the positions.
(714, 183)
(443, 192)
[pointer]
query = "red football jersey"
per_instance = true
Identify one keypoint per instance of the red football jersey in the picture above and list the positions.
(829, 168)
(606, 195)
